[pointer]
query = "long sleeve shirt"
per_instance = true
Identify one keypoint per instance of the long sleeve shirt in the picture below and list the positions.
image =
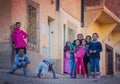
(21, 60)
(95, 46)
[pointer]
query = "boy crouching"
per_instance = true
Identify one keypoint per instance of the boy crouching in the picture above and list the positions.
(21, 61)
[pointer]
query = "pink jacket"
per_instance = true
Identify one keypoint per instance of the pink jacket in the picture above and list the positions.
(81, 52)
(18, 37)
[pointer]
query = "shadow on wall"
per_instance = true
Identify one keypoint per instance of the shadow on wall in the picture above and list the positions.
(7, 52)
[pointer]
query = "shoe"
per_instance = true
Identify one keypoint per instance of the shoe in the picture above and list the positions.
(71, 75)
(92, 76)
(26, 75)
(98, 76)
(10, 72)
(74, 75)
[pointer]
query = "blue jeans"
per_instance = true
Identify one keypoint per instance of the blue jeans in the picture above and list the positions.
(94, 63)
(72, 66)
(43, 68)
(16, 66)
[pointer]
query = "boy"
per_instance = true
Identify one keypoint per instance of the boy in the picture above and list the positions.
(95, 48)
(44, 67)
(21, 60)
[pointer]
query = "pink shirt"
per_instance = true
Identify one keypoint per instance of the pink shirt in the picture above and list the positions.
(18, 37)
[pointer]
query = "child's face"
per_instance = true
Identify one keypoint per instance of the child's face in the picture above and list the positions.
(21, 52)
(88, 39)
(80, 37)
(95, 37)
(83, 43)
(68, 43)
(18, 26)
(77, 42)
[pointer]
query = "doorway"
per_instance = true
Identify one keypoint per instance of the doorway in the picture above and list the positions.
(109, 60)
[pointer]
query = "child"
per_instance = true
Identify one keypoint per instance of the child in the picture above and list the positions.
(18, 37)
(72, 61)
(80, 53)
(95, 48)
(67, 58)
(87, 57)
(21, 60)
(44, 67)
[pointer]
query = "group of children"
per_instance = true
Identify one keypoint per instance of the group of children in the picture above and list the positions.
(21, 59)
(80, 53)
(77, 56)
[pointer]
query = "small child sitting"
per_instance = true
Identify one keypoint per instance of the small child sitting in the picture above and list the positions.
(21, 60)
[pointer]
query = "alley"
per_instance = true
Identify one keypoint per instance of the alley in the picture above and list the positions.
(18, 78)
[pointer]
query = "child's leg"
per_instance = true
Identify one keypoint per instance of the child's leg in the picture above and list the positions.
(13, 69)
(25, 71)
(92, 64)
(97, 67)
(53, 71)
(80, 69)
(71, 67)
(74, 69)
(86, 60)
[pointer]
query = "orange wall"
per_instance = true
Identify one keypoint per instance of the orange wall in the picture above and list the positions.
(5, 20)
(72, 7)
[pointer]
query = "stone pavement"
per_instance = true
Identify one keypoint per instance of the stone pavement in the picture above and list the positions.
(18, 78)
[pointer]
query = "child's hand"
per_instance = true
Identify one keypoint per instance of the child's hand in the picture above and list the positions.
(94, 51)
(91, 51)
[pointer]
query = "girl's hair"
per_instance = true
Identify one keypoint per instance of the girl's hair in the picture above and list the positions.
(17, 23)
(83, 40)
(79, 35)
(95, 34)
(75, 41)
(88, 36)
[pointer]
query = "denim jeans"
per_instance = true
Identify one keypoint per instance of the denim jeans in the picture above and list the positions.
(72, 66)
(43, 68)
(94, 63)
(16, 66)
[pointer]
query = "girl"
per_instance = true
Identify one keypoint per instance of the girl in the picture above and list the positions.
(18, 37)
(95, 48)
(67, 58)
(87, 56)
(80, 53)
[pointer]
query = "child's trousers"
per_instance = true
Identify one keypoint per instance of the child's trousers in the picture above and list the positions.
(72, 67)
(16, 66)
(94, 63)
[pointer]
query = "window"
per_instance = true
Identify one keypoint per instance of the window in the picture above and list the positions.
(33, 26)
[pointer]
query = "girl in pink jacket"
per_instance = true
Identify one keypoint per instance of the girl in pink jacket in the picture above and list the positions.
(18, 37)
(80, 53)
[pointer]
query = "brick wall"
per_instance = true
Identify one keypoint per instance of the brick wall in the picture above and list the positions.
(113, 6)
(92, 2)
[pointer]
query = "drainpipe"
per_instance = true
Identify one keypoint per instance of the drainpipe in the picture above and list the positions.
(82, 13)
(57, 5)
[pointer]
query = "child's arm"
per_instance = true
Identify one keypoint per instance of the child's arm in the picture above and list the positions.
(99, 49)
(25, 34)
(27, 60)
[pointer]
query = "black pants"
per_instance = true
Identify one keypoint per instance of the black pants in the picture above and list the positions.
(17, 50)
(86, 61)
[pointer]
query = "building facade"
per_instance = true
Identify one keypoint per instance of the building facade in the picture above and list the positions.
(49, 24)
(103, 17)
